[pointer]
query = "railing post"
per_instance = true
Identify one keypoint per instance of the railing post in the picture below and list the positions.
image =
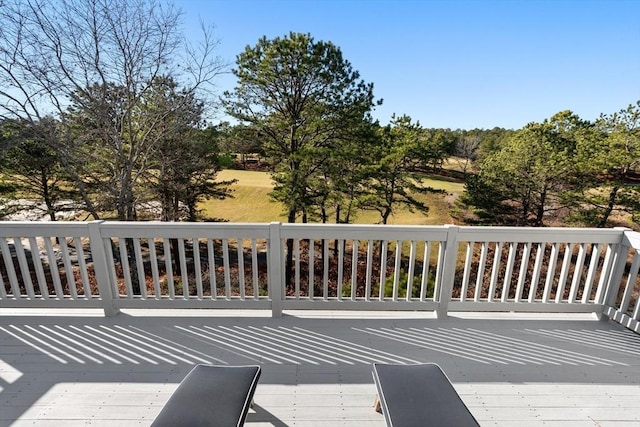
(99, 257)
(448, 271)
(615, 277)
(274, 273)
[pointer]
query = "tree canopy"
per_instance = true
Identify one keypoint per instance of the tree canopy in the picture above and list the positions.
(305, 100)
(393, 180)
(564, 169)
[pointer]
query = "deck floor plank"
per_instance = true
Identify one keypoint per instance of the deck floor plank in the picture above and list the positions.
(529, 369)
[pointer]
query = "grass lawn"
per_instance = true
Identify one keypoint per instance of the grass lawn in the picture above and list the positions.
(251, 202)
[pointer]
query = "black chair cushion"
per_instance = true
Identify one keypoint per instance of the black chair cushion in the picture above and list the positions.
(211, 396)
(419, 395)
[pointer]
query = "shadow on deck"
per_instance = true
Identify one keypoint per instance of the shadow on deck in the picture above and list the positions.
(83, 368)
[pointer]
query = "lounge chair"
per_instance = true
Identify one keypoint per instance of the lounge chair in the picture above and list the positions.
(419, 395)
(211, 396)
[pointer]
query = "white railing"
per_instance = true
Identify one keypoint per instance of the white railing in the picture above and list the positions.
(276, 266)
(622, 299)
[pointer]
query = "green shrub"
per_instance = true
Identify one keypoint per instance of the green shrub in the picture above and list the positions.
(402, 286)
(226, 160)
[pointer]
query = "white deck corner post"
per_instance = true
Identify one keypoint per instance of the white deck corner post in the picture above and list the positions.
(275, 279)
(99, 257)
(613, 285)
(445, 284)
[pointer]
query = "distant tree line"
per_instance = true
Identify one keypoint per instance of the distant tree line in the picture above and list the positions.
(564, 170)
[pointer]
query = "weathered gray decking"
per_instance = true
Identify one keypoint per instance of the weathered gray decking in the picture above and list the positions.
(77, 368)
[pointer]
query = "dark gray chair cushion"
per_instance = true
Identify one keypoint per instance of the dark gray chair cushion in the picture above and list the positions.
(419, 395)
(211, 396)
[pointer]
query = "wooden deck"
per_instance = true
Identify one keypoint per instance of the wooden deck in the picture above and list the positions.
(78, 368)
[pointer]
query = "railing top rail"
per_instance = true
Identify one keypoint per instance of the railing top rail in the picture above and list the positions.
(364, 231)
(319, 231)
(44, 228)
(631, 239)
(538, 234)
(176, 230)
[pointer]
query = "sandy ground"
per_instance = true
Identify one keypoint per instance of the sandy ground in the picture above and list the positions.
(37, 211)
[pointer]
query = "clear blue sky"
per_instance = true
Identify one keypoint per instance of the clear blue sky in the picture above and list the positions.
(458, 64)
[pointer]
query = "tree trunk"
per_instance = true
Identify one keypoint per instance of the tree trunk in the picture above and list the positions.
(610, 205)
(385, 216)
(524, 215)
(136, 282)
(335, 243)
(347, 219)
(88, 204)
(46, 195)
(175, 205)
(288, 271)
(175, 257)
(540, 210)
(192, 210)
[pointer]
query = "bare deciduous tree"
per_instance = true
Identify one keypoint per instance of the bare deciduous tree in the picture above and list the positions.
(466, 150)
(101, 57)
